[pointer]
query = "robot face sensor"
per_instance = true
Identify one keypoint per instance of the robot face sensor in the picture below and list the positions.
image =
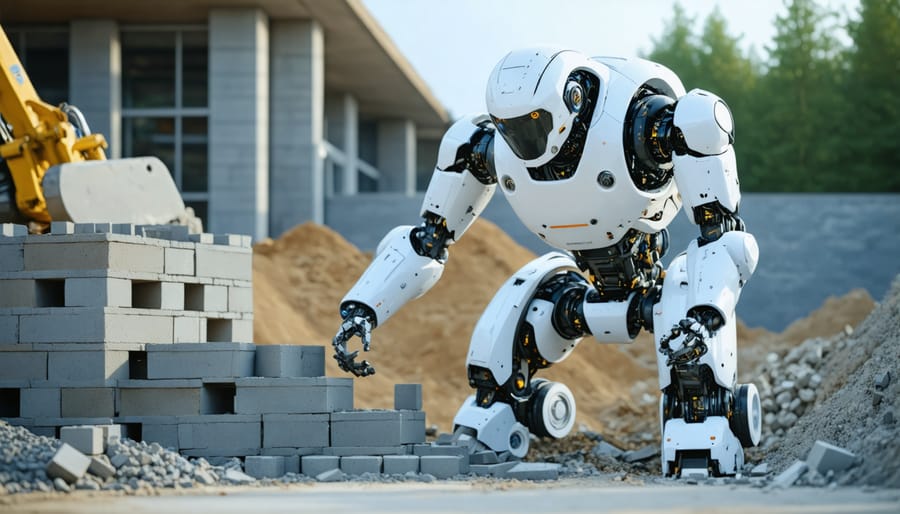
(526, 135)
(574, 96)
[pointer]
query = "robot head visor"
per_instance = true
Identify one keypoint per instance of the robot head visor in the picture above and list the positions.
(526, 135)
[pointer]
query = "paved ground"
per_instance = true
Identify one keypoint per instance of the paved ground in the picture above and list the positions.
(475, 497)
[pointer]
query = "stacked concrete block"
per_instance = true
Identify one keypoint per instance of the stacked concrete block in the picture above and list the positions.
(211, 360)
(288, 361)
(259, 395)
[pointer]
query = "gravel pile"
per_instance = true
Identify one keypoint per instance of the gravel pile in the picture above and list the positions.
(23, 460)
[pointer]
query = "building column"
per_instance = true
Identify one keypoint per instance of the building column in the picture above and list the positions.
(297, 114)
(95, 78)
(239, 121)
(397, 156)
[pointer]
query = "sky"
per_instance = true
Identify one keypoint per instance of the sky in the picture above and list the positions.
(454, 44)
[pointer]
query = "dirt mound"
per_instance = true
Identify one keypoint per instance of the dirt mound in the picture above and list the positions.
(849, 411)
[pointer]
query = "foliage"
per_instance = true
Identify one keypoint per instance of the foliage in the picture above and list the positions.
(817, 114)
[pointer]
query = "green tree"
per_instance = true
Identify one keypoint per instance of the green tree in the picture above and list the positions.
(678, 48)
(872, 125)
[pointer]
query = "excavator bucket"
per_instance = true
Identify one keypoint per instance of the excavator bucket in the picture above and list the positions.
(138, 190)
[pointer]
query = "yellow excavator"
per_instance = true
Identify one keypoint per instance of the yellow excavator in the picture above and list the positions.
(52, 168)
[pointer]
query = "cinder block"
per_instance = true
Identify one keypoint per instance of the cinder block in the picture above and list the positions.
(287, 361)
(441, 466)
(159, 397)
(187, 329)
(288, 452)
(366, 428)
(220, 455)
(158, 295)
(240, 299)
(40, 402)
(220, 432)
(125, 229)
(204, 238)
(87, 368)
(61, 228)
(359, 464)
(334, 475)
(400, 464)
(165, 232)
(428, 450)
(292, 464)
(205, 298)
(229, 330)
(9, 330)
(295, 430)
(496, 469)
(166, 434)
(111, 433)
(13, 230)
(25, 365)
(92, 402)
(224, 262)
(787, 477)
(191, 360)
(68, 464)
(314, 465)
(345, 451)
(264, 466)
(408, 396)
(825, 457)
(109, 255)
(17, 293)
(85, 438)
(101, 467)
(94, 325)
(534, 471)
(98, 292)
(293, 395)
(84, 228)
(179, 261)
(412, 426)
(229, 239)
(12, 256)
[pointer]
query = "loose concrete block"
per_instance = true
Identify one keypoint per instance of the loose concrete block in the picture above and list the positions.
(225, 262)
(13, 230)
(89, 402)
(39, 402)
(111, 433)
(159, 397)
(17, 293)
(220, 432)
(86, 439)
(287, 361)
(412, 427)
(295, 430)
(94, 255)
(825, 457)
(314, 465)
(534, 471)
(496, 469)
(9, 330)
(191, 360)
(366, 428)
(179, 261)
(647, 452)
(61, 228)
(400, 464)
(408, 396)
(98, 292)
(264, 466)
(292, 395)
(94, 325)
(25, 365)
(334, 475)
(164, 434)
(100, 467)
(229, 330)
(359, 464)
(12, 257)
(68, 464)
(187, 329)
(240, 299)
(87, 368)
(347, 451)
(787, 477)
(441, 466)
(158, 295)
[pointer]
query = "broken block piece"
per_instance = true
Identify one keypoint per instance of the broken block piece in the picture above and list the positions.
(332, 475)
(825, 457)
(264, 466)
(86, 439)
(534, 471)
(787, 477)
(408, 396)
(100, 467)
(68, 464)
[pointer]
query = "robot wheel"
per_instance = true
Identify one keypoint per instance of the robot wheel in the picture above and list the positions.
(746, 423)
(552, 409)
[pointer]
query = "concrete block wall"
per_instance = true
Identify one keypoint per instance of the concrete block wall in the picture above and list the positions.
(151, 328)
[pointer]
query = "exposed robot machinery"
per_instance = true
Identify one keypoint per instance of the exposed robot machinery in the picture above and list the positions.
(596, 156)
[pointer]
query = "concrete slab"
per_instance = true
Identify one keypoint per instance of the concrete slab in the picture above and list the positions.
(497, 469)
(534, 471)
(68, 464)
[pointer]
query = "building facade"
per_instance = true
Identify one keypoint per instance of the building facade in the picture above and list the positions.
(263, 110)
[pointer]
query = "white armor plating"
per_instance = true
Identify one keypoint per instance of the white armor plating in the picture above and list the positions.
(457, 197)
(492, 340)
(397, 275)
(705, 121)
(552, 346)
(702, 180)
(713, 435)
(608, 321)
(496, 426)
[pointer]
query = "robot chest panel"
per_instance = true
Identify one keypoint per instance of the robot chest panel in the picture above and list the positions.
(596, 205)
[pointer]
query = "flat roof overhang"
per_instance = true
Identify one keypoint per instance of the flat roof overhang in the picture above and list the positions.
(360, 58)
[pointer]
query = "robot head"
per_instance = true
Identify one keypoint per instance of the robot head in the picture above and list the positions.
(535, 96)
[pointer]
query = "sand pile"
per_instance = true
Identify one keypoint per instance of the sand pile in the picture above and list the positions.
(300, 279)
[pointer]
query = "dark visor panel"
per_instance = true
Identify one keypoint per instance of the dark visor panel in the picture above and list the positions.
(526, 135)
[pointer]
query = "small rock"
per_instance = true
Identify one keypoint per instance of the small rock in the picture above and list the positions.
(61, 485)
(882, 380)
(203, 477)
(888, 418)
(234, 475)
(807, 395)
(647, 452)
(332, 475)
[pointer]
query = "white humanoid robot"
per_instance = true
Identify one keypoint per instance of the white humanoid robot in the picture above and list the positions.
(596, 156)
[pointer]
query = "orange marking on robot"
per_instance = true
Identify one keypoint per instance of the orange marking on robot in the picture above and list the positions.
(574, 225)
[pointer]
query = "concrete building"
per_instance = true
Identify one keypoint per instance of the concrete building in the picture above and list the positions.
(262, 109)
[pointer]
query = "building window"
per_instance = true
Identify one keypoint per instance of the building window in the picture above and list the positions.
(165, 107)
(44, 53)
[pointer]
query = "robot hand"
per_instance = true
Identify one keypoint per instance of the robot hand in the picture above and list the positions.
(357, 322)
(700, 324)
